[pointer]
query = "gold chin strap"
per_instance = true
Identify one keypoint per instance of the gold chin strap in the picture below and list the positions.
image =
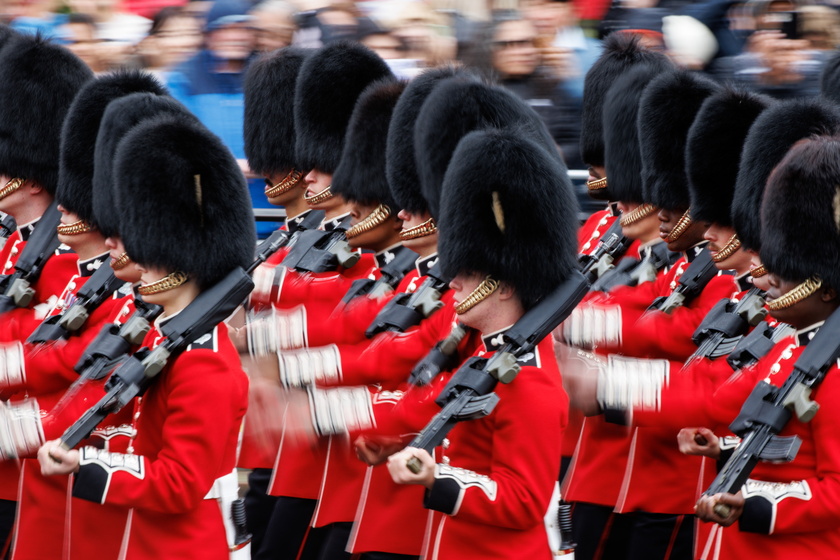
(290, 181)
(11, 186)
(679, 229)
(802, 291)
(479, 294)
(597, 184)
(374, 219)
(120, 262)
(165, 284)
(426, 228)
(758, 271)
(638, 214)
(76, 228)
(731, 246)
(322, 196)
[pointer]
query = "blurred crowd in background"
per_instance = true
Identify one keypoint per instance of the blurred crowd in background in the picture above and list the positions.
(540, 49)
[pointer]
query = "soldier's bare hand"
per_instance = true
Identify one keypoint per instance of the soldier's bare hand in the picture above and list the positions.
(398, 466)
(55, 460)
(699, 441)
(375, 451)
(723, 509)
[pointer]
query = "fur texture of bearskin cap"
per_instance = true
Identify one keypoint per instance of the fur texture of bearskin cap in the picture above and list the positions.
(330, 82)
(360, 177)
(773, 133)
(38, 81)
(713, 151)
(269, 128)
(400, 164)
(183, 199)
(800, 214)
(621, 51)
(6, 33)
(120, 116)
(456, 107)
(80, 130)
(621, 133)
(666, 112)
(830, 79)
(508, 210)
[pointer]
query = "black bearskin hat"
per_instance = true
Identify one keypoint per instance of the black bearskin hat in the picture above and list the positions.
(508, 210)
(621, 133)
(183, 200)
(455, 108)
(269, 127)
(330, 82)
(6, 33)
(38, 81)
(713, 152)
(800, 214)
(621, 51)
(773, 133)
(830, 79)
(79, 133)
(120, 116)
(666, 112)
(360, 175)
(400, 163)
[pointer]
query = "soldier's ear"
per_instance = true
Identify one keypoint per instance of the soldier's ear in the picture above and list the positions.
(506, 290)
(828, 295)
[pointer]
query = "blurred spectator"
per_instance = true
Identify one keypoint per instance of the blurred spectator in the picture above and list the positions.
(33, 16)
(174, 37)
(776, 60)
(274, 23)
(426, 34)
(507, 53)
(335, 22)
(563, 39)
(117, 30)
(210, 82)
(79, 35)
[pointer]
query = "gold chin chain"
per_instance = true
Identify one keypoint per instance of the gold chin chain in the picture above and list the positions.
(802, 291)
(120, 262)
(597, 184)
(290, 181)
(758, 271)
(426, 228)
(11, 186)
(731, 246)
(166, 283)
(679, 229)
(76, 228)
(374, 219)
(487, 287)
(322, 196)
(636, 215)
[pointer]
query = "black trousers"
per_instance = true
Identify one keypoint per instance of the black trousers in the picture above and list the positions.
(258, 507)
(600, 533)
(8, 508)
(661, 536)
(287, 529)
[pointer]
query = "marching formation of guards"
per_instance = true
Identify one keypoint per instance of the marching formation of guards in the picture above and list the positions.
(406, 367)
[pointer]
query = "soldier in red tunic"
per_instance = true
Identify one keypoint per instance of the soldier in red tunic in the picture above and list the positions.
(187, 222)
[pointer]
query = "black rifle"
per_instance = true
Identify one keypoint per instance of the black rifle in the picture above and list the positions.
(755, 345)
(322, 251)
(469, 394)
(91, 295)
(407, 310)
(7, 228)
(390, 275)
(768, 409)
(134, 376)
(440, 358)
(690, 285)
(631, 272)
(612, 245)
(16, 290)
(280, 238)
(726, 324)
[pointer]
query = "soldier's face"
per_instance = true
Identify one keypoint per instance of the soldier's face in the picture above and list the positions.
(379, 237)
(116, 250)
(805, 313)
(424, 245)
(316, 183)
(718, 237)
(290, 195)
(693, 235)
(762, 282)
(646, 229)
